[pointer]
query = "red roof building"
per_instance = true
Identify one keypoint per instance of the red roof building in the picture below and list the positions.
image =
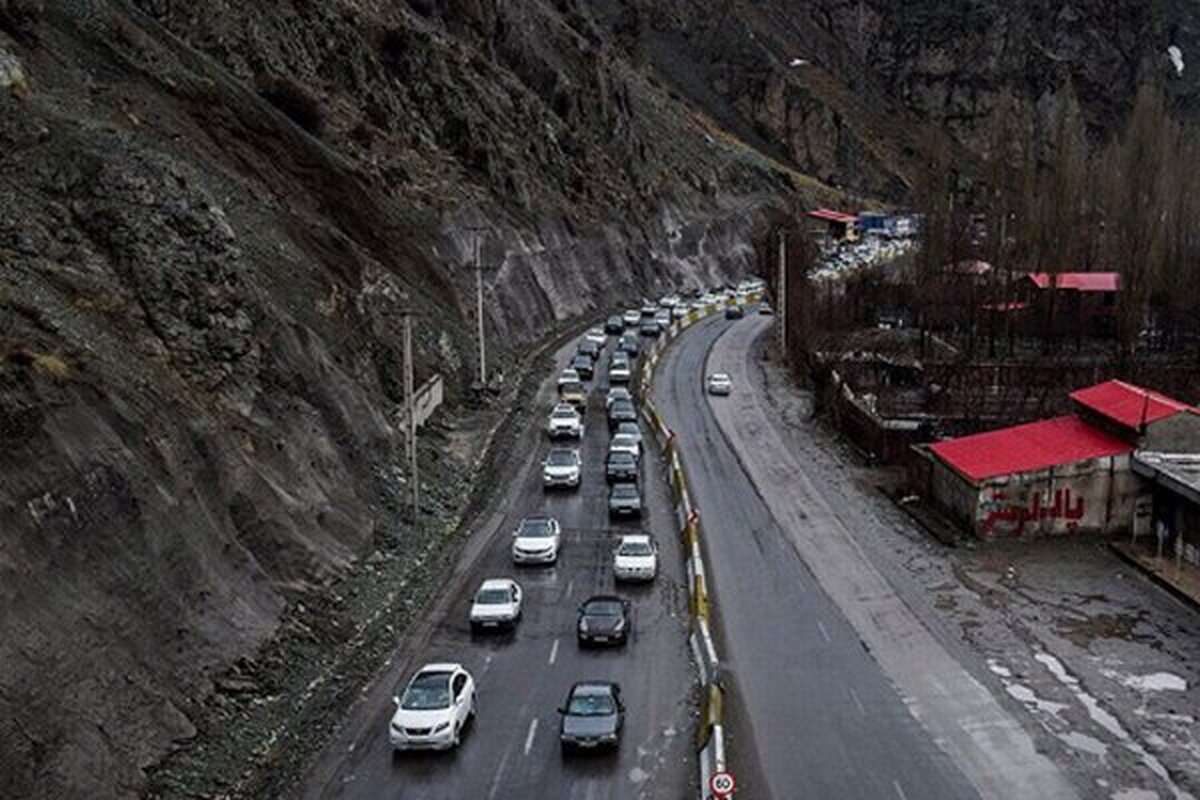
(1078, 281)
(829, 215)
(1127, 405)
(1028, 448)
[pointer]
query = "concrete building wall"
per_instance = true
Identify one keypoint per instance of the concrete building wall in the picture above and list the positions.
(1179, 433)
(953, 493)
(1092, 496)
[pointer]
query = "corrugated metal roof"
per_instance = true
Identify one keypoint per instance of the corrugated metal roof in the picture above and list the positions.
(829, 215)
(1027, 448)
(1127, 404)
(1079, 281)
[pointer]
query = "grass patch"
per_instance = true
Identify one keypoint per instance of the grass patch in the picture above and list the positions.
(51, 365)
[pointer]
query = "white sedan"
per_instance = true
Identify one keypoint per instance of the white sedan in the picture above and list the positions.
(625, 443)
(536, 541)
(635, 559)
(562, 467)
(497, 604)
(565, 421)
(719, 383)
(434, 708)
(568, 375)
(631, 318)
(597, 336)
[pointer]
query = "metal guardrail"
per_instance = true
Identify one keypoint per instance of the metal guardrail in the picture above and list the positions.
(710, 736)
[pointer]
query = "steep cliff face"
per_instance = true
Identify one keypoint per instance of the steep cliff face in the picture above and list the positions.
(213, 214)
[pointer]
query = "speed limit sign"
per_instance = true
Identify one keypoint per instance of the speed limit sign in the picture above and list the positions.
(722, 784)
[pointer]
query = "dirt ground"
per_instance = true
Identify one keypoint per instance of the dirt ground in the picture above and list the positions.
(1099, 664)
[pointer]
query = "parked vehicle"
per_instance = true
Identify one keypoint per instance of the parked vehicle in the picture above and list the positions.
(434, 708)
(635, 558)
(497, 605)
(536, 541)
(562, 468)
(565, 422)
(593, 716)
(624, 500)
(719, 383)
(603, 619)
(620, 466)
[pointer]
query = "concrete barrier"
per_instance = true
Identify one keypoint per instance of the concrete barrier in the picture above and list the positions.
(710, 736)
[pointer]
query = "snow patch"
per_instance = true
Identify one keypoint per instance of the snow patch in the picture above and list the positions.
(800, 62)
(1176, 56)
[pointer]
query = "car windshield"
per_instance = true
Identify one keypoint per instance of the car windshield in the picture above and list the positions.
(629, 429)
(623, 440)
(623, 407)
(561, 413)
(535, 527)
(427, 692)
(625, 490)
(561, 458)
(603, 608)
(635, 549)
(572, 386)
(493, 597)
(620, 457)
(591, 705)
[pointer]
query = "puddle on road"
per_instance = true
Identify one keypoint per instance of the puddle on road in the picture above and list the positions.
(1081, 632)
(1084, 743)
(1110, 723)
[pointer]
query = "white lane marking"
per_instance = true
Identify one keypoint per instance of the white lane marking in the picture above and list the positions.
(529, 736)
(824, 632)
(858, 702)
(554, 651)
(899, 790)
(570, 587)
(499, 774)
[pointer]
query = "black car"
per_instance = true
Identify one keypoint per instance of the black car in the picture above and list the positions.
(621, 466)
(621, 411)
(614, 326)
(589, 348)
(584, 366)
(624, 500)
(603, 619)
(734, 312)
(592, 717)
(649, 327)
(630, 345)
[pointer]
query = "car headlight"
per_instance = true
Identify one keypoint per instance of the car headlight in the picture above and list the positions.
(441, 727)
(583, 625)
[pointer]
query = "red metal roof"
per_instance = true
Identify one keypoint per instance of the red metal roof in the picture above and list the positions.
(1026, 448)
(1127, 404)
(1079, 281)
(829, 215)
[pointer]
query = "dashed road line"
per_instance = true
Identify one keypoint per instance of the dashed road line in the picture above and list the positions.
(824, 632)
(858, 703)
(533, 723)
(899, 790)
(554, 652)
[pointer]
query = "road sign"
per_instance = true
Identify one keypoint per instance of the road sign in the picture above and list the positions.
(722, 784)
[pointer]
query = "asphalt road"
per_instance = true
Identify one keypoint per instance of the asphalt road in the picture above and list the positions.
(814, 714)
(512, 750)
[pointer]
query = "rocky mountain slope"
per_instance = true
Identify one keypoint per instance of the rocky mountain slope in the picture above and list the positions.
(213, 213)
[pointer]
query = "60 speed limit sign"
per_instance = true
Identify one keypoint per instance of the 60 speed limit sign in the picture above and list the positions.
(722, 784)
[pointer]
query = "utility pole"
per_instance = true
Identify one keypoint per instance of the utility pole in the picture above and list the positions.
(410, 410)
(781, 300)
(477, 266)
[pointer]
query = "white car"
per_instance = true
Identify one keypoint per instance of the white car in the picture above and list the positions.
(434, 708)
(625, 443)
(536, 541)
(620, 373)
(631, 318)
(497, 604)
(565, 422)
(670, 301)
(679, 312)
(617, 393)
(663, 318)
(635, 559)
(597, 336)
(568, 375)
(719, 383)
(562, 467)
